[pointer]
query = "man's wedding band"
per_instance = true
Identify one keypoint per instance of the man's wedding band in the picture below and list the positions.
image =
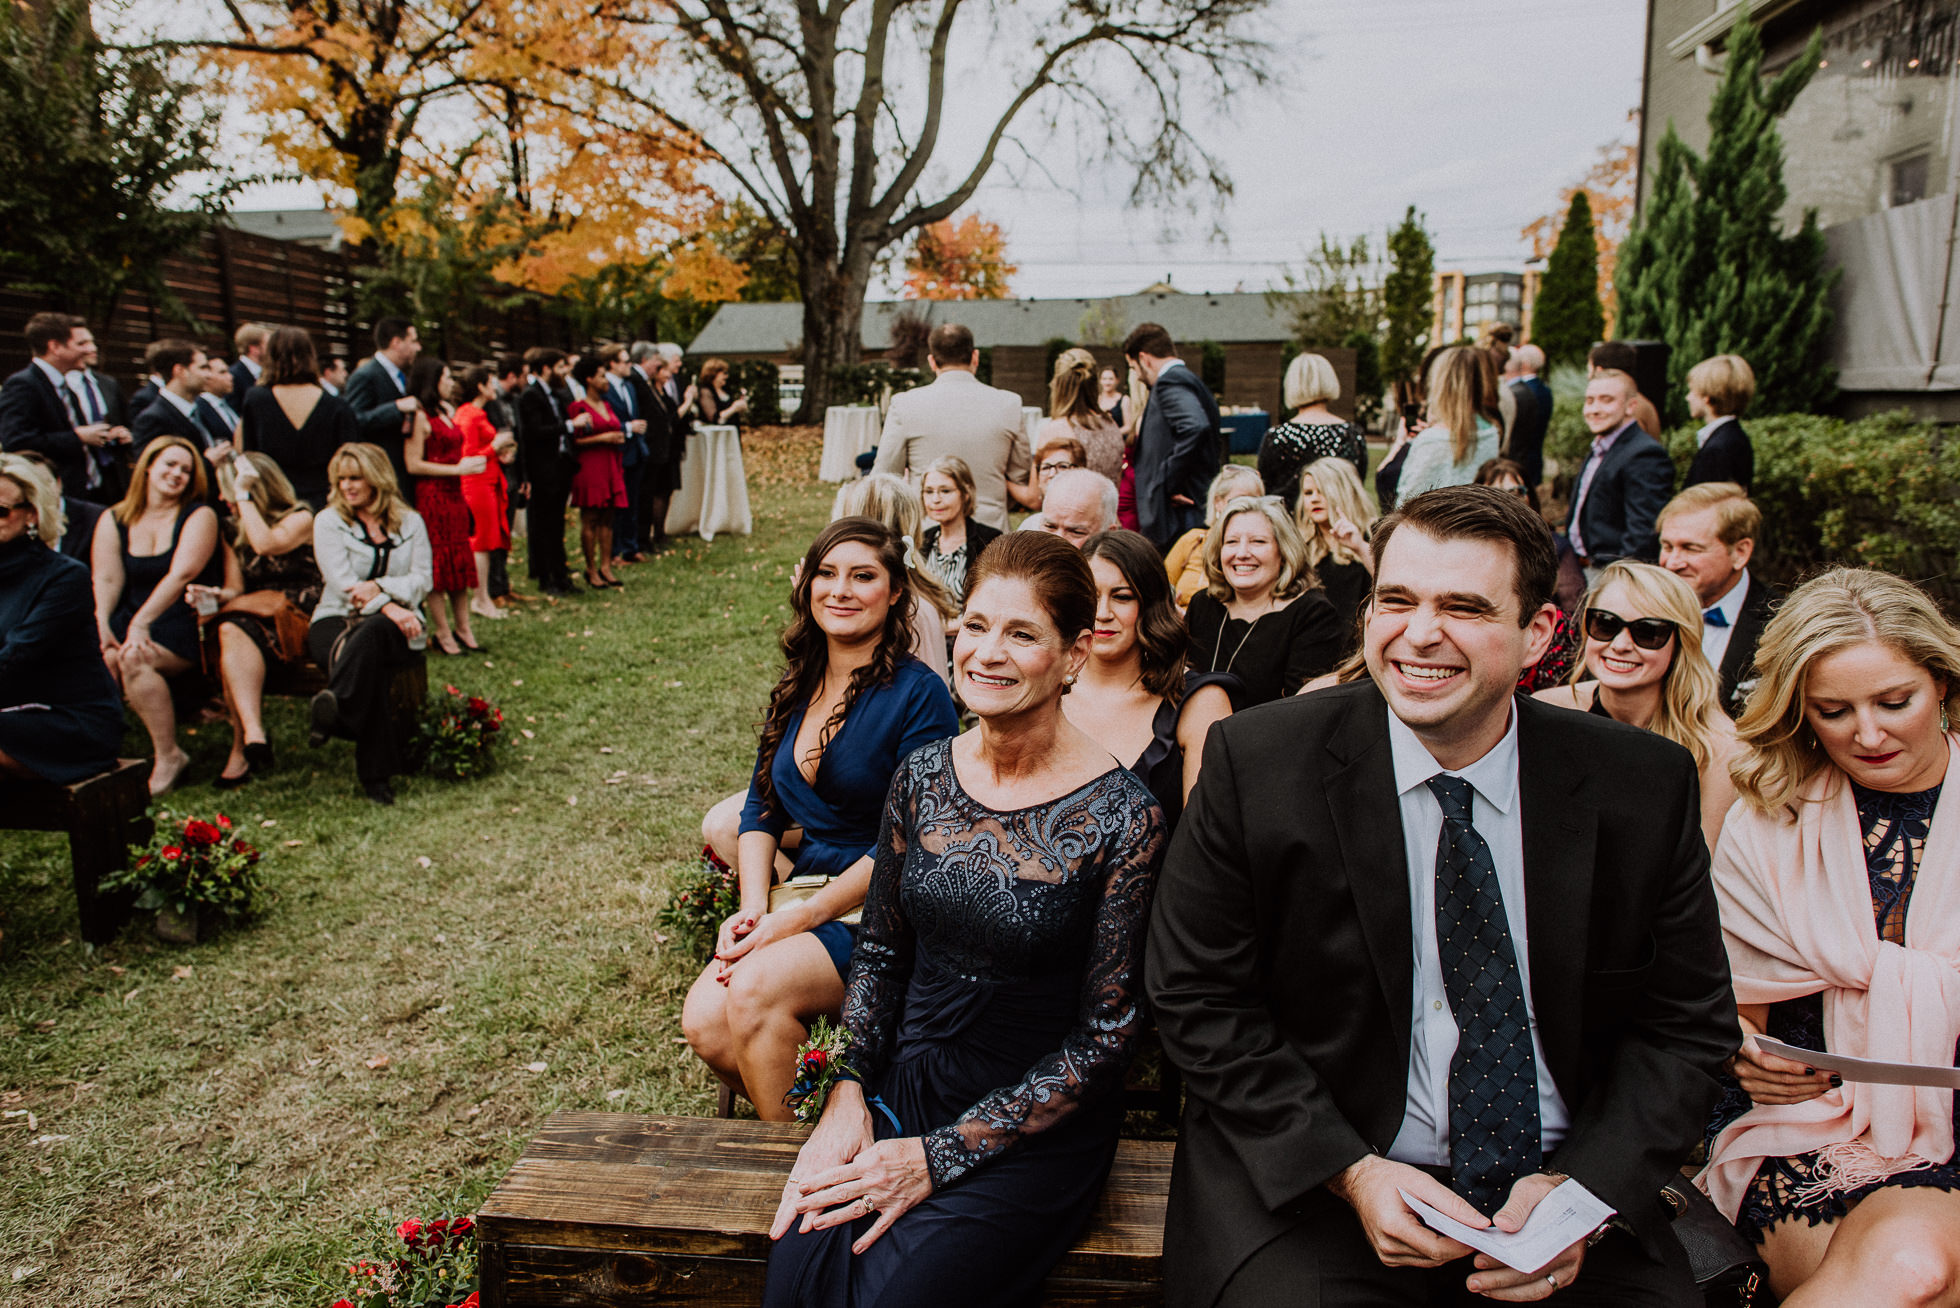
(1551, 1279)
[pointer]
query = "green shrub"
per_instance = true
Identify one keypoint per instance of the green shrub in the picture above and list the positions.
(763, 381)
(1567, 439)
(865, 383)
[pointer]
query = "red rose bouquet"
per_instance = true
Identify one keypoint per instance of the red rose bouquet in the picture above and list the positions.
(417, 1263)
(193, 866)
(458, 734)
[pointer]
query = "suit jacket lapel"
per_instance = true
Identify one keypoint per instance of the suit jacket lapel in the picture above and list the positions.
(1559, 834)
(1748, 629)
(1368, 824)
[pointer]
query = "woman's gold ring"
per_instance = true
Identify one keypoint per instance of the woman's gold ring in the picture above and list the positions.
(868, 1207)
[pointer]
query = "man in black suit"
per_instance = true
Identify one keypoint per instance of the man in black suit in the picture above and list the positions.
(176, 411)
(249, 343)
(502, 412)
(625, 404)
(1418, 933)
(544, 435)
(100, 398)
(1534, 399)
(214, 407)
(1719, 390)
(39, 411)
(644, 378)
(153, 380)
(1179, 442)
(1708, 536)
(1623, 483)
(377, 391)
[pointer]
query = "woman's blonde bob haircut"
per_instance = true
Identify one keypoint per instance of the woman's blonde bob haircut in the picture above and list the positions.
(1340, 485)
(1310, 379)
(1832, 612)
(1296, 574)
(370, 464)
(892, 501)
(136, 500)
(1691, 690)
(38, 491)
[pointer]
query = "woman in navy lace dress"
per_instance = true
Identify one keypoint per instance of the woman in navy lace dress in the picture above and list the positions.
(997, 985)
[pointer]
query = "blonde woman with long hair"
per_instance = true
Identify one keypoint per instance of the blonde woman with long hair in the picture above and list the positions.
(1335, 513)
(1641, 664)
(1074, 413)
(147, 552)
(378, 567)
(1458, 437)
(1838, 879)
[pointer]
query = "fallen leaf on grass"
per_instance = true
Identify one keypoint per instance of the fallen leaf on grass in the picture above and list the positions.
(425, 861)
(22, 1273)
(132, 994)
(605, 749)
(270, 822)
(49, 1139)
(294, 844)
(528, 733)
(572, 800)
(616, 1094)
(45, 1024)
(117, 971)
(518, 682)
(378, 1062)
(182, 973)
(536, 1067)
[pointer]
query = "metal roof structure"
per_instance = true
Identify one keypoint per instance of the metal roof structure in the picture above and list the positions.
(315, 227)
(1225, 318)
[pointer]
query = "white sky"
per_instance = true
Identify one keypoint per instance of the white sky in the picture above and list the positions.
(1479, 114)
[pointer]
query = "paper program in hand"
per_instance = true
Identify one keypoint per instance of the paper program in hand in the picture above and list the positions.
(1562, 1218)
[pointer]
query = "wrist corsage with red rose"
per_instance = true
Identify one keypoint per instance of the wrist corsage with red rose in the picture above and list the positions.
(823, 1061)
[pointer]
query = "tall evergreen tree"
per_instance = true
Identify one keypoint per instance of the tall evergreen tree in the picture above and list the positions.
(1568, 317)
(1408, 295)
(1708, 269)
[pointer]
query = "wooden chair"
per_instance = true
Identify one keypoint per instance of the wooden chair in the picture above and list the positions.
(615, 1210)
(103, 816)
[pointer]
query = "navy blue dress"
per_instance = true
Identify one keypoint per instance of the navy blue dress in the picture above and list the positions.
(994, 1000)
(839, 811)
(60, 714)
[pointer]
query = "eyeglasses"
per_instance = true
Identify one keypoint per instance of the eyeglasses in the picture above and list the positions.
(1056, 467)
(1605, 627)
(9, 510)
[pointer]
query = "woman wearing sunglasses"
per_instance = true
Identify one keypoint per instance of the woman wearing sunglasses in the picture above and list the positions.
(1636, 668)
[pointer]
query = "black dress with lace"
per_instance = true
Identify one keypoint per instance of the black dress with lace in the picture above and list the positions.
(1895, 828)
(993, 1001)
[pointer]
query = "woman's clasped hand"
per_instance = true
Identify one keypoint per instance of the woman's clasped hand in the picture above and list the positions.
(843, 1174)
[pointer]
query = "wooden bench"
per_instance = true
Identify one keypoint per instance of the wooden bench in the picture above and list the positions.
(616, 1210)
(103, 815)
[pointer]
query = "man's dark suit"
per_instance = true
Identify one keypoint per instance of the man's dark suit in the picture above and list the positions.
(242, 379)
(1725, 456)
(1739, 659)
(34, 415)
(165, 419)
(1281, 968)
(541, 426)
(1179, 448)
(78, 540)
(215, 426)
(146, 395)
(1623, 505)
(371, 393)
(654, 479)
(1526, 446)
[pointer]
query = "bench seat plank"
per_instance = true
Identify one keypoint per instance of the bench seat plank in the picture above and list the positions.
(614, 1210)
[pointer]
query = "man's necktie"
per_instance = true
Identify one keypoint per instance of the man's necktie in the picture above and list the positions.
(1494, 1130)
(91, 399)
(1715, 618)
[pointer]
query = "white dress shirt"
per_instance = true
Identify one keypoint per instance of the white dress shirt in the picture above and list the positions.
(1708, 429)
(88, 395)
(1715, 640)
(252, 366)
(1494, 811)
(186, 407)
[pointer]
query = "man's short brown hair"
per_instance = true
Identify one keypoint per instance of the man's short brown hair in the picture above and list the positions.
(1149, 338)
(45, 329)
(1726, 381)
(1736, 516)
(1484, 513)
(252, 333)
(951, 345)
(164, 357)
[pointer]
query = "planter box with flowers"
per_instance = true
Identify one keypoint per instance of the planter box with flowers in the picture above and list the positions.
(415, 1264)
(459, 733)
(196, 874)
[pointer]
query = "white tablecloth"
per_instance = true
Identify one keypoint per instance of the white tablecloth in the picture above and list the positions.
(714, 493)
(1031, 421)
(848, 431)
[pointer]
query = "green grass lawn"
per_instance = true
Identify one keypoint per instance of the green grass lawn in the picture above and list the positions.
(212, 1125)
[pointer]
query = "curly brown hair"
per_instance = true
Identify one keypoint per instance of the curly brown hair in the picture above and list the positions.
(806, 649)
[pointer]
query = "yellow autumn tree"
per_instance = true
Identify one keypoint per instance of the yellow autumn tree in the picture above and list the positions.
(959, 260)
(1609, 189)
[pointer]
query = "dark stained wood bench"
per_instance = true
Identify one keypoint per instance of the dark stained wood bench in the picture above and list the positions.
(616, 1210)
(103, 816)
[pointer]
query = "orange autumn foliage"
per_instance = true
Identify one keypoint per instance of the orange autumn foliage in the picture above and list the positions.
(1609, 188)
(959, 260)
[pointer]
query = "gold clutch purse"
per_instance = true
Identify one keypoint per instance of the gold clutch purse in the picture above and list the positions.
(797, 889)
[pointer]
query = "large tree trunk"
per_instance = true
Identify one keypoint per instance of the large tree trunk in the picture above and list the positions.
(833, 318)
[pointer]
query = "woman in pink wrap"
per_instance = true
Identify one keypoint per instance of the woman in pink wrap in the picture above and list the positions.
(1838, 876)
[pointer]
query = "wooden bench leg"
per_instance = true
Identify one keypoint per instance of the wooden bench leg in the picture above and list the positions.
(725, 1103)
(97, 849)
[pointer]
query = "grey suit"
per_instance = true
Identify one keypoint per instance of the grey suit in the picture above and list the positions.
(1179, 448)
(959, 415)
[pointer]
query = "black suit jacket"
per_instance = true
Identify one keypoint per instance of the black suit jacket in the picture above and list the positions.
(242, 379)
(1623, 505)
(164, 419)
(214, 426)
(146, 394)
(78, 541)
(1280, 964)
(1526, 446)
(1179, 448)
(1739, 659)
(371, 393)
(541, 430)
(1726, 455)
(34, 416)
(660, 418)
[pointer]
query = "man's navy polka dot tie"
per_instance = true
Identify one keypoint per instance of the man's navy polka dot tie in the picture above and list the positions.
(1494, 1137)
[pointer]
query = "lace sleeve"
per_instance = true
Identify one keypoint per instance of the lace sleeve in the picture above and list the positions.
(881, 966)
(1096, 1052)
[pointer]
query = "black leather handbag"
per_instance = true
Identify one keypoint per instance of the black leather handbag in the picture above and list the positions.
(1729, 1270)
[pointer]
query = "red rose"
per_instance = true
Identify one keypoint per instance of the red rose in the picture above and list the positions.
(816, 1058)
(460, 1227)
(467, 1303)
(224, 822)
(479, 705)
(452, 690)
(343, 1303)
(409, 1231)
(201, 833)
(171, 853)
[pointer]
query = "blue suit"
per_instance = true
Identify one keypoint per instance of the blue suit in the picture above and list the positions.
(633, 456)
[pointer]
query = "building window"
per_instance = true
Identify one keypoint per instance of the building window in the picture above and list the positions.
(1907, 179)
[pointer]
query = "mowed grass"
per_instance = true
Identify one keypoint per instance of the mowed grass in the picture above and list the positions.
(212, 1125)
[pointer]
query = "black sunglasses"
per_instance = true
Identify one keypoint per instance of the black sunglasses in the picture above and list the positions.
(1605, 626)
(8, 510)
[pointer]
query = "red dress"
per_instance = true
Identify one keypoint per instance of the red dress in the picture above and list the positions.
(440, 502)
(600, 482)
(486, 492)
